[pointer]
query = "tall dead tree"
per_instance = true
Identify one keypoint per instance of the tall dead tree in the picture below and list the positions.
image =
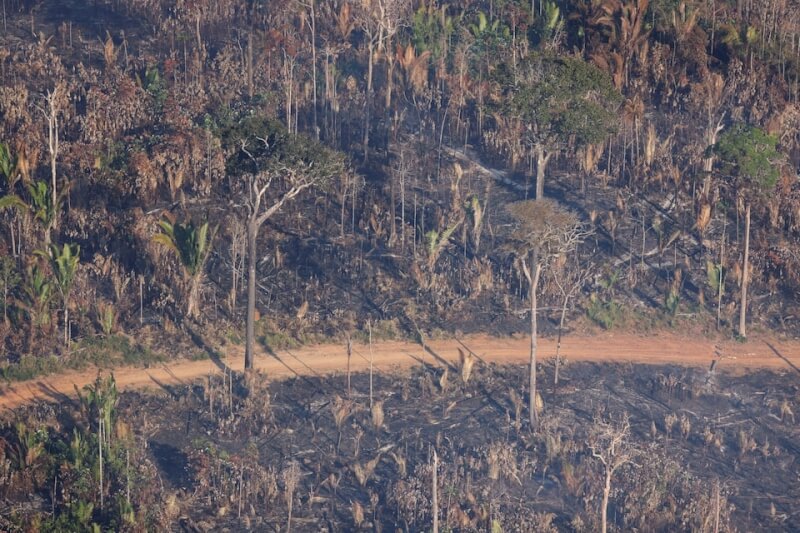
(55, 102)
(569, 282)
(609, 445)
(543, 231)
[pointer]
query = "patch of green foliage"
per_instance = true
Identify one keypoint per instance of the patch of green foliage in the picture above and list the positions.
(99, 454)
(431, 28)
(564, 98)
(109, 351)
(29, 367)
(750, 157)
(605, 312)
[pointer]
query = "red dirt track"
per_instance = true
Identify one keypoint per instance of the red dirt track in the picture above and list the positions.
(757, 353)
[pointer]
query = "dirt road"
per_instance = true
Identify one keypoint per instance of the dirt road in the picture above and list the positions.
(735, 357)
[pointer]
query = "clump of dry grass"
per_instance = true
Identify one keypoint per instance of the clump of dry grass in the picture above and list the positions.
(443, 380)
(341, 410)
(502, 459)
(712, 438)
(291, 478)
(400, 461)
(358, 513)
(669, 422)
(516, 401)
(686, 426)
(365, 472)
(746, 443)
(786, 411)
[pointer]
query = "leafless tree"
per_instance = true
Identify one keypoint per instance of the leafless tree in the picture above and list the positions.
(380, 20)
(609, 445)
(544, 230)
(55, 102)
(569, 282)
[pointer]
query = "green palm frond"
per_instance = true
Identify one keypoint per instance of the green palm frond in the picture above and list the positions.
(12, 201)
(552, 16)
(64, 264)
(8, 163)
(190, 243)
(166, 237)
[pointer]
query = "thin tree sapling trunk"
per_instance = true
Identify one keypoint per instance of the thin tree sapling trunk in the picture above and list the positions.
(745, 273)
(533, 282)
(252, 234)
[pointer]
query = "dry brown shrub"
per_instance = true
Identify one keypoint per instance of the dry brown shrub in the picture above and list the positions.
(364, 473)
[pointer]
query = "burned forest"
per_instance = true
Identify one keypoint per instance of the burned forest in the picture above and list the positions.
(461, 229)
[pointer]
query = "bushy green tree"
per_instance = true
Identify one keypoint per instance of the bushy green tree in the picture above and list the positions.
(559, 101)
(750, 161)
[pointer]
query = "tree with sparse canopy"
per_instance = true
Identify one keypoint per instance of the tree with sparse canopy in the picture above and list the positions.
(284, 165)
(750, 158)
(560, 101)
(543, 230)
(192, 245)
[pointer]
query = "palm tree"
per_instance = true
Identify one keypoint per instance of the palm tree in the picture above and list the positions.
(36, 297)
(43, 208)
(192, 245)
(64, 264)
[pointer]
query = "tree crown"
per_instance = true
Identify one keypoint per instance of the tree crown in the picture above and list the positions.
(564, 99)
(749, 155)
(544, 227)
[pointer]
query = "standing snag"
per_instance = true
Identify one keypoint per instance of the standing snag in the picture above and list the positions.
(609, 445)
(543, 231)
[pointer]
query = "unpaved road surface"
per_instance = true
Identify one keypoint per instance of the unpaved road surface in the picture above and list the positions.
(757, 353)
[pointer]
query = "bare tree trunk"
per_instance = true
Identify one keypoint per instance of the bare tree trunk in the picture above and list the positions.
(369, 326)
(558, 343)
(712, 130)
(541, 165)
(249, 64)
(100, 453)
(435, 493)
(314, 64)
(606, 493)
(349, 354)
(721, 280)
(192, 307)
(716, 501)
(250, 335)
(368, 99)
(745, 273)
(534, 282)
(389, 74)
